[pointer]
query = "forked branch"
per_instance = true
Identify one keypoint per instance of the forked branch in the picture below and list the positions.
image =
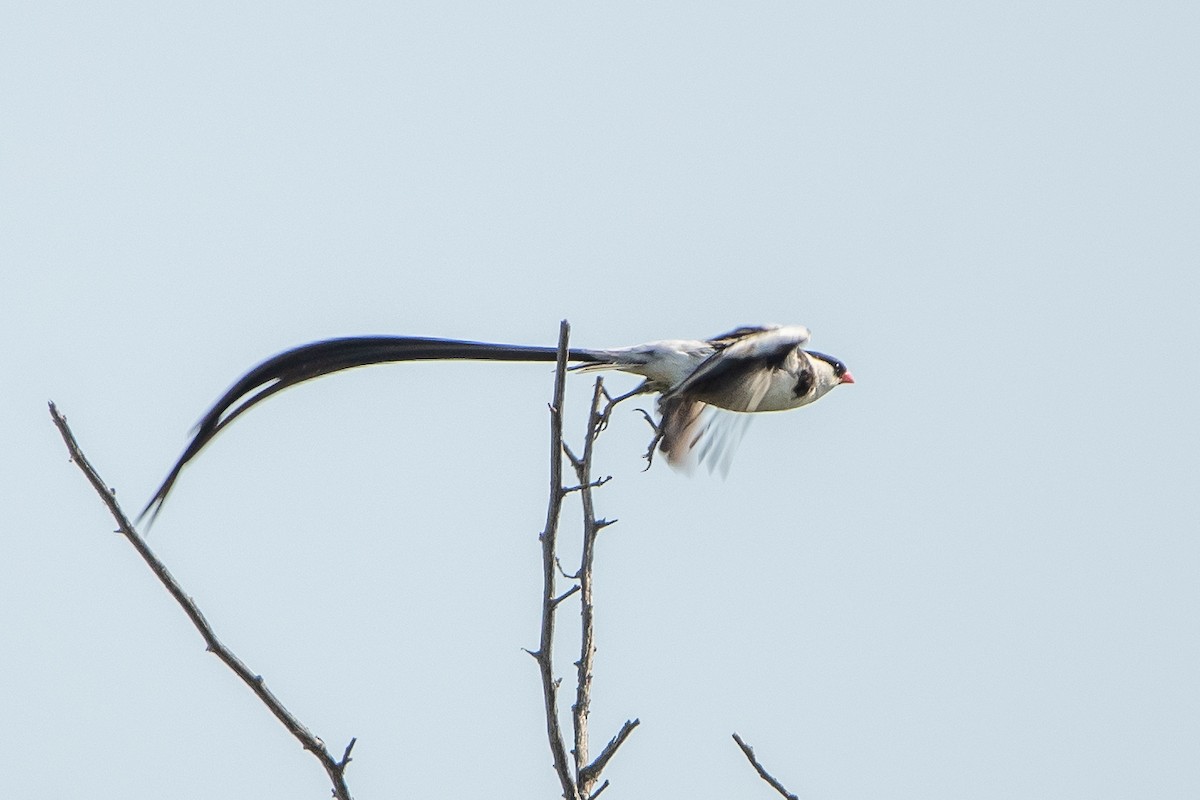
(580, 785)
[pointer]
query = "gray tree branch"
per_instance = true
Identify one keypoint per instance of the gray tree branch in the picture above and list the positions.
(550, 598)
(588, 774)
(580, 786)
(335, 768)
(761, 770)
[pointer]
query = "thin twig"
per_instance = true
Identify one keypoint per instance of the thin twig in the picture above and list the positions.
(334, 768)
(587, 643)
(596, 484)
(592, 771)
(550, 599)
(762, 772)
(566, 594)
(587, 775)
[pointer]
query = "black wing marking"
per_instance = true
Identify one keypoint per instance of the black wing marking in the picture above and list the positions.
(310, 361)
(715, 373)
(746, 362)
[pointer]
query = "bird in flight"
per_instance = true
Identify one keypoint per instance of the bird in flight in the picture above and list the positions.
(750, 369)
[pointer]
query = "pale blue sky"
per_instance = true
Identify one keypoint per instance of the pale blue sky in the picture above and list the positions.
(971, 574)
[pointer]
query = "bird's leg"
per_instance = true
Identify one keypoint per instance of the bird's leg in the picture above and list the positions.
(641, 388)
(658, 437)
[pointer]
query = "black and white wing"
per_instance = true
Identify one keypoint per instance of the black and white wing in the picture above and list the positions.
(738, 376)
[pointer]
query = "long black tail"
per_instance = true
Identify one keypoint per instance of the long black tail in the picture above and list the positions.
(334, 355)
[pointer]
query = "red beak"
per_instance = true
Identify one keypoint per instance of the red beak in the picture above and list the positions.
(847, 377)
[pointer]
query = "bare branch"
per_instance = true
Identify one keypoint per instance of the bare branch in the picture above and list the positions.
(587, 644)
(346, 755)
(575, 460)
(586, 775)
(335, 769)
(550, 601)
(596, 484)
(594, 769)
(566, 594)
(762, 772)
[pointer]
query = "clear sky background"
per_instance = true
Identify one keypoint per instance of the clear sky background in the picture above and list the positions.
(971, 574)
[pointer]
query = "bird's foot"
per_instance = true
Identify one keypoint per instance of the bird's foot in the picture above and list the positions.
(611, 402)
(658, 437)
